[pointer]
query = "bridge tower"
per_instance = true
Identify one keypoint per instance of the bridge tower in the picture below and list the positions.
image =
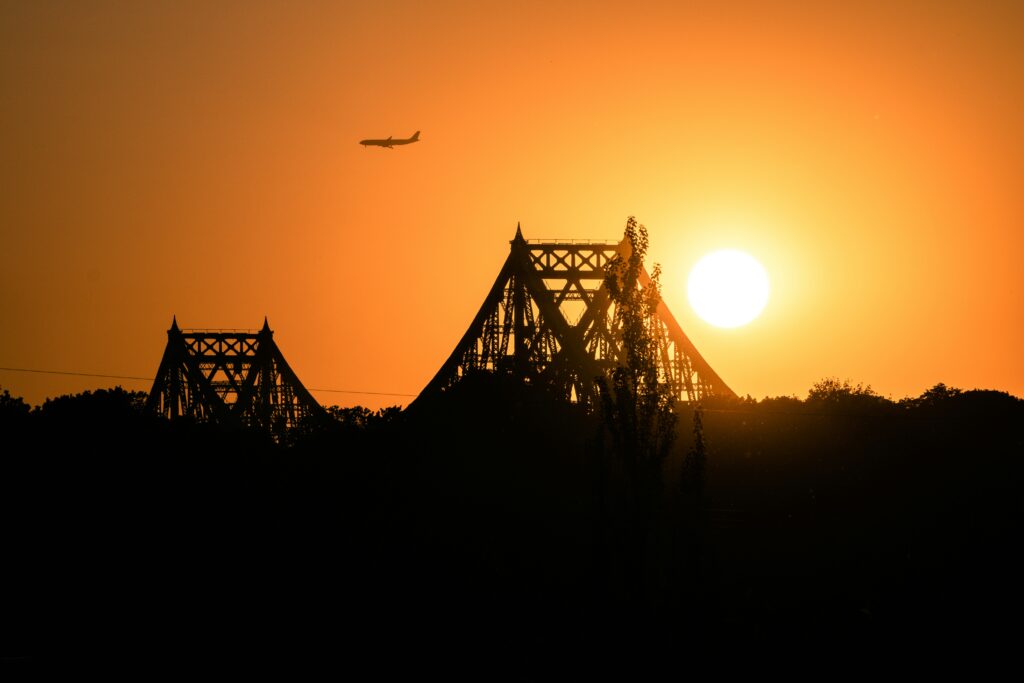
(549, 321)
(229, 377)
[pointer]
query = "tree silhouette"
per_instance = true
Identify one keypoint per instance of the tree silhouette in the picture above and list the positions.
(832, 393)
(636, 409)
(12, 407)
(939, 395)
(832, 389)
(694, 463)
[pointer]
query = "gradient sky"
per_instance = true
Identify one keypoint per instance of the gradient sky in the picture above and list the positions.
(202, 159)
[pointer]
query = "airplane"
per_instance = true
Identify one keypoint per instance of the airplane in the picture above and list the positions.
(389, 142)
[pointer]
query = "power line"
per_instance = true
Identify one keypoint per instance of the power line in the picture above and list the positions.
(372, 393)
(76, 374)
(150, 379)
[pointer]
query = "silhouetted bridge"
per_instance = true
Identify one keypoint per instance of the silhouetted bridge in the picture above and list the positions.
(230, 377)
(547, 320)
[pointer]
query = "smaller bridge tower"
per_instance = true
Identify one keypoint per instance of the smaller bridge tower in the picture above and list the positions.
(229, 377)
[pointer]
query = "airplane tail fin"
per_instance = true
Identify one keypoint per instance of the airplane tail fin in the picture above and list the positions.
(415, 136)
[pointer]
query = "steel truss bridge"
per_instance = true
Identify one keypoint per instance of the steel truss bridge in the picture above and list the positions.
(549, 321)
(230, 377)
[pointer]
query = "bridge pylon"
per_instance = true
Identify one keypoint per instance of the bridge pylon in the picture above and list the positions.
(230, 377)
(549, 321)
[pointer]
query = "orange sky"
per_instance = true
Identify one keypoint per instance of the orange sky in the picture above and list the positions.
(165, 158)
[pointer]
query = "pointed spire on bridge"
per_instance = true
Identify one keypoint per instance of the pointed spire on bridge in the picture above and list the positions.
(519, 234)
(266, 327)
(174, 324)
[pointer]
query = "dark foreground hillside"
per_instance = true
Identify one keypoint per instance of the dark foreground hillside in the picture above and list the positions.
(497, 522)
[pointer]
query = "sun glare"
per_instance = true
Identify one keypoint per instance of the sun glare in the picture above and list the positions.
(728, 288)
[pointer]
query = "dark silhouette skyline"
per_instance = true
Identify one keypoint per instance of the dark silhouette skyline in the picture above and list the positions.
(842, 516)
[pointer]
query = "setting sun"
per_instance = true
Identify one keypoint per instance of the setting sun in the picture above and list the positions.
(728, 288)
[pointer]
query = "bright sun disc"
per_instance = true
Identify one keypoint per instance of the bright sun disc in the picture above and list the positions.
(728, 288)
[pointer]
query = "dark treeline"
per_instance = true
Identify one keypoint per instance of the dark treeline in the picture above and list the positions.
(494, 517)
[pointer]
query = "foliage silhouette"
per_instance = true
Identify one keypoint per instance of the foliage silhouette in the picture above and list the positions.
(637, 416)
(171, 537)
(636, 407)
(938, 395)
(696, 461)
(832, 390)
(12, 407)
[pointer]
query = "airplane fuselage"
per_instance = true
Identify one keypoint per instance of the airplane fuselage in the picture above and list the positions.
(391, 142)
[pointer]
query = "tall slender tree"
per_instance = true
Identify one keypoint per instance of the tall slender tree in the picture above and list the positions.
(637, 407)
(637, 412)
